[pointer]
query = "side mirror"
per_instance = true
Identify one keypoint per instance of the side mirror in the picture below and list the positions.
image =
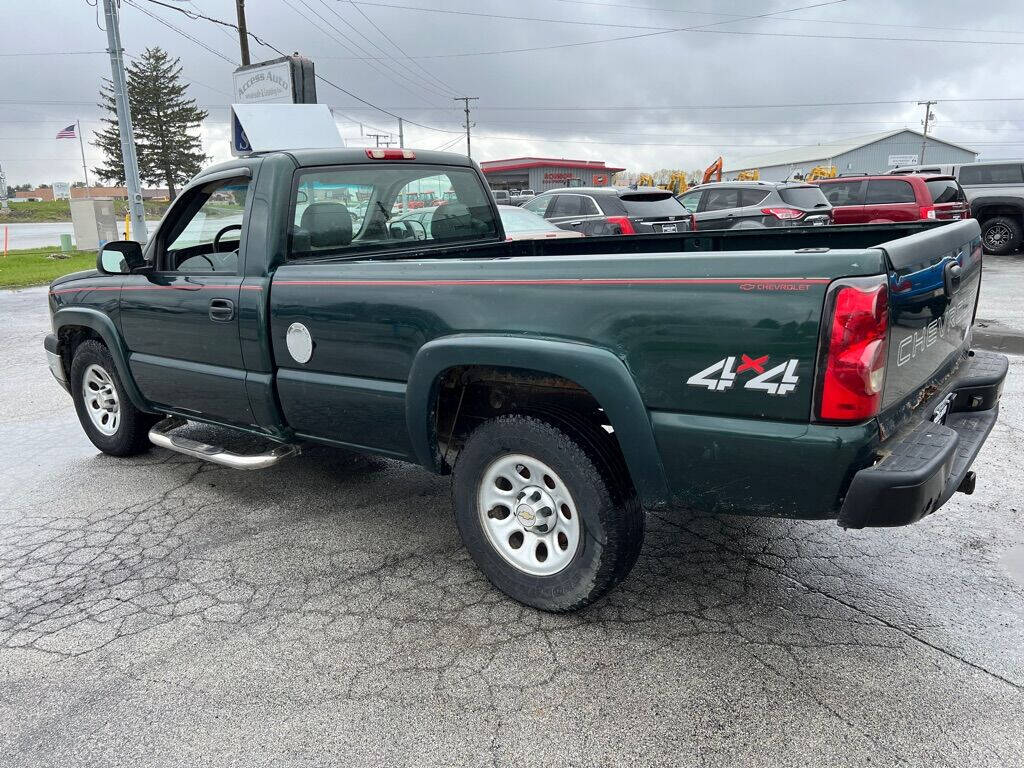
(120, 257)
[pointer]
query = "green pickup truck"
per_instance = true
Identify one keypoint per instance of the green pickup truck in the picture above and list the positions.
(567, 385)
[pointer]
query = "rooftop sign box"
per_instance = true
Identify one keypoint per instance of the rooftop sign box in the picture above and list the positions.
(287, 80)
(269, 127)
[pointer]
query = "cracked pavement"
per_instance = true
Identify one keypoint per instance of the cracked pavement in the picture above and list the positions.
(161, 612)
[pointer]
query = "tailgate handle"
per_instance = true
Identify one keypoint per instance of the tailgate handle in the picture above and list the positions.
(951, 276)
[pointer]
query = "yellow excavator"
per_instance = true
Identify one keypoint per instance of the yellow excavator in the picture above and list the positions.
(754, 175)
(645, 180)
(821, 172)
(676, 183)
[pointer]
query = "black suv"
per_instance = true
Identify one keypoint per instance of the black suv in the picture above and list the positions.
(612, 210)
(756, 204)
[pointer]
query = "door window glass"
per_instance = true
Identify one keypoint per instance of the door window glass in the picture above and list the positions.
(721, 199)
(752, 196)
(843, 192)
(205, 233)
(566, 205)
(888, 191)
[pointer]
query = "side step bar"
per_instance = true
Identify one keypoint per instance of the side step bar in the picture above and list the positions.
(160, 436)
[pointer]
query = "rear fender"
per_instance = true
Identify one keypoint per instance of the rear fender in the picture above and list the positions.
(96, 321)
(596, 370)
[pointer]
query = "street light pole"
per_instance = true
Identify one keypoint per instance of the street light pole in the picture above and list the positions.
(124, 123)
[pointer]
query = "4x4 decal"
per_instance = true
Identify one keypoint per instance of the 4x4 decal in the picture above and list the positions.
(777, 380)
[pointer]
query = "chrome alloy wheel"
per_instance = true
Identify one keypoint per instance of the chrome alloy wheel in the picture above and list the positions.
(100, 399)
(997, 236)
(528, 514)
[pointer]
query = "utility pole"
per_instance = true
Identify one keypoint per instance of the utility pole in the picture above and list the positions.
(401, 134)
(377, 137)
(465, 100)
(928, 117)
(124, 123)
(243, 34)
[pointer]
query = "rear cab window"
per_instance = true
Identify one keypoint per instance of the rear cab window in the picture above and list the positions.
(804, 197)
(356, 208)
(1002, 173)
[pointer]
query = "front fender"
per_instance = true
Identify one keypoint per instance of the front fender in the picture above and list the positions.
(97, 321)
(597, 370)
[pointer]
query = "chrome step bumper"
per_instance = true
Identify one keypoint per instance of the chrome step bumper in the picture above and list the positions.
(160, 436)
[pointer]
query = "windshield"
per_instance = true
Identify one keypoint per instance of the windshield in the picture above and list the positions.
(804, 197)
(520, 220)
(653, 204)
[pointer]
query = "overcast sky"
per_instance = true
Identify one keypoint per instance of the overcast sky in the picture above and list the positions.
(543, 90)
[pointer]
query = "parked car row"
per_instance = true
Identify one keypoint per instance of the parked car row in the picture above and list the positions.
(991, 192)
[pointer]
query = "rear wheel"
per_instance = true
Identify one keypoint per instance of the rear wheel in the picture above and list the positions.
(112, 423)
(1001, 235)
(542, 514)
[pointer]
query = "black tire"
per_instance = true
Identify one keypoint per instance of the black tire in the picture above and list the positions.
(132, 433)
(611, 519)
(1001, 235)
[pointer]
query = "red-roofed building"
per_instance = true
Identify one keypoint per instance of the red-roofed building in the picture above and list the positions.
(540, 173)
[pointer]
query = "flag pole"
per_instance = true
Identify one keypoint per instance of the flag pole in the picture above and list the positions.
(81, 146)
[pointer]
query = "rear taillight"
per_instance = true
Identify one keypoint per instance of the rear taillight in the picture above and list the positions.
(625, 225)
(782, 213)
(855, 351)
(929, 212)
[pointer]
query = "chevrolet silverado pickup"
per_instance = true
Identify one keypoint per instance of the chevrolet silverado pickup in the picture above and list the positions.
(567, 385)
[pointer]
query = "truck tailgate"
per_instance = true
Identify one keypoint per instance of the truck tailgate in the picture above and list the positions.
(934, 279)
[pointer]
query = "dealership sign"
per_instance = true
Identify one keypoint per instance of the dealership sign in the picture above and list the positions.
(896, 161)
(288, 80)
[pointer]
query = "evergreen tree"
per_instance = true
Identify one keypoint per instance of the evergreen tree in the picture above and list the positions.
(165, 122)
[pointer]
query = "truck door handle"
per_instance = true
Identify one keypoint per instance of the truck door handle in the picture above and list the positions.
(222, 310)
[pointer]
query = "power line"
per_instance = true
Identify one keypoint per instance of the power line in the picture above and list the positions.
(52, 53)
(791, 18)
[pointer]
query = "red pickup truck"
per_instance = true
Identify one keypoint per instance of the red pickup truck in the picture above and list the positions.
(880, 199)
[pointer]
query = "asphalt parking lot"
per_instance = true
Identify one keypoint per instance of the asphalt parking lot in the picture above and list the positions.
(159, 611)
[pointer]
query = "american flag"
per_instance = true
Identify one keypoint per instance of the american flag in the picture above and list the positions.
(67, 133)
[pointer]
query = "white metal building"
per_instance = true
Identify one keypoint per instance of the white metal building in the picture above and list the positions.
(869, 154)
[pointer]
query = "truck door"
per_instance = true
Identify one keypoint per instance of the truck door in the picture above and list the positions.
(847, 199)
(180, 321)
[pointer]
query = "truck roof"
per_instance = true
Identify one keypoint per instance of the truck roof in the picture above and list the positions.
(346, 156)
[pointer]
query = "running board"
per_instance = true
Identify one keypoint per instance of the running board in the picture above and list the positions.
(160, 436)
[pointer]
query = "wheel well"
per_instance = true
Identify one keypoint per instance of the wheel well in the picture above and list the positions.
(469, 395)
(69, 338)
(991, 211)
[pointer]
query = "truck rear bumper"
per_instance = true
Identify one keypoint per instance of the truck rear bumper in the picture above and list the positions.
(927, 464)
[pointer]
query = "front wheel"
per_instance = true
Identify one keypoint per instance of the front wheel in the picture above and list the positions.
(109, 419)
(1001, 235)
(542, 514)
